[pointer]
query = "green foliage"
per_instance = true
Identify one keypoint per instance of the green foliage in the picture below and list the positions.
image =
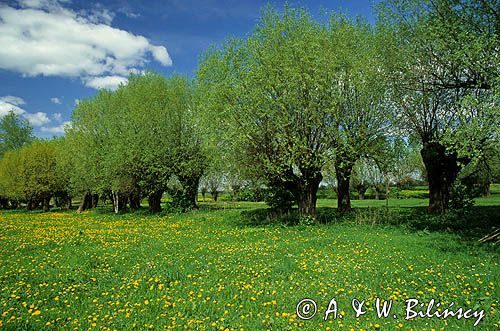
(292, 95)
(461, 196)
(14, 132)
(279, 198)
(31, 173)
(444, 65)
(10, 184)
(251, 194)
(37, 170)
(136, 139)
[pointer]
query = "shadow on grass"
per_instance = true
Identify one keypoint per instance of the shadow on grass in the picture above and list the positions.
(268, 216)
(470, 223)
(223, 205)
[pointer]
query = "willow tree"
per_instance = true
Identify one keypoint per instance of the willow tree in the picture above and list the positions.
(273, 96)
(88, 145)
(29, 174)
(362, 116)
(14, 132)
(294, 95)
(444, 60)
(131, 142)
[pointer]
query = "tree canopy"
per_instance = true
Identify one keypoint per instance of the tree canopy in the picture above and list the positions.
(14, 132)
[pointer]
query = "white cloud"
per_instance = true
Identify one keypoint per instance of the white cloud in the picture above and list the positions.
(57, 117)
(55, 100)
(10, 103)
(106, 82)
(161, 55)
(6, 107)
(55, 129)
(98, 14)
(130, 14)
(44, 38)
(42, 4)
(37, 119)
(17, 101)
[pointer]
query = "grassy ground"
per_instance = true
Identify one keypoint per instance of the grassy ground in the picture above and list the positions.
(216, 268)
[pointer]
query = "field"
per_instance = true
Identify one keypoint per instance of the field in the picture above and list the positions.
(217, 268)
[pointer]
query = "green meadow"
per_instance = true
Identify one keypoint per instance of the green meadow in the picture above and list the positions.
(226, 266)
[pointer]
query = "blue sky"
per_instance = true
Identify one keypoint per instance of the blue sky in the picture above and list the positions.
(55, 52)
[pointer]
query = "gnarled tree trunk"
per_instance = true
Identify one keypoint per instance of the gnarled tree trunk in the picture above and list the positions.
(86, 202)
(62, 200)
(215, 195)
(185, 197)
(4, 203)
(46, 203)
(442, 169)
(154, 201)
(95, 200)
(361, 188)
(134, 201)
(343, 173)
(307, 190)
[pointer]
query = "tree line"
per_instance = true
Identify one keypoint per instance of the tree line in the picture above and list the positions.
(298, 99)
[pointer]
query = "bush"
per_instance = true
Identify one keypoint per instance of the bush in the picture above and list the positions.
(250, 194)
(326, 193)
(461, 196)
(279, 198)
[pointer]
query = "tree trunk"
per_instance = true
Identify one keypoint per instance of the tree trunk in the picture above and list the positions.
(387, 192)
(62, 200)
(86, 202)
(485, 190)
(185, 197)
(30, 205)
(119, 201)
(361, 188)
(442, 169)
(14, 204)
(307, 191)
(46, 204)
(192, 190)
(215, 195)
(134, 201)
(343, 174)
(95, 200)
(4, 203)
(154, 201)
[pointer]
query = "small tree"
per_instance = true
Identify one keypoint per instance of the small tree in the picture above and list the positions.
(36, 174)
(10, 185)
(14, 132)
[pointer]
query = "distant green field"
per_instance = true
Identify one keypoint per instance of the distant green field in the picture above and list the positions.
(216, 269)
(492, 200)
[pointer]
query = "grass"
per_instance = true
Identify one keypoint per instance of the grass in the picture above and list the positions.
(215, 268)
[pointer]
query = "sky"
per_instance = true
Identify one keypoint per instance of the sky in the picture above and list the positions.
(53, 53)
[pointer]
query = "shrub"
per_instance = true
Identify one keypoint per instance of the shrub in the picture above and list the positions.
(461, 196)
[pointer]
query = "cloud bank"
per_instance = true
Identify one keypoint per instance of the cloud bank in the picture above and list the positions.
(42, 37)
